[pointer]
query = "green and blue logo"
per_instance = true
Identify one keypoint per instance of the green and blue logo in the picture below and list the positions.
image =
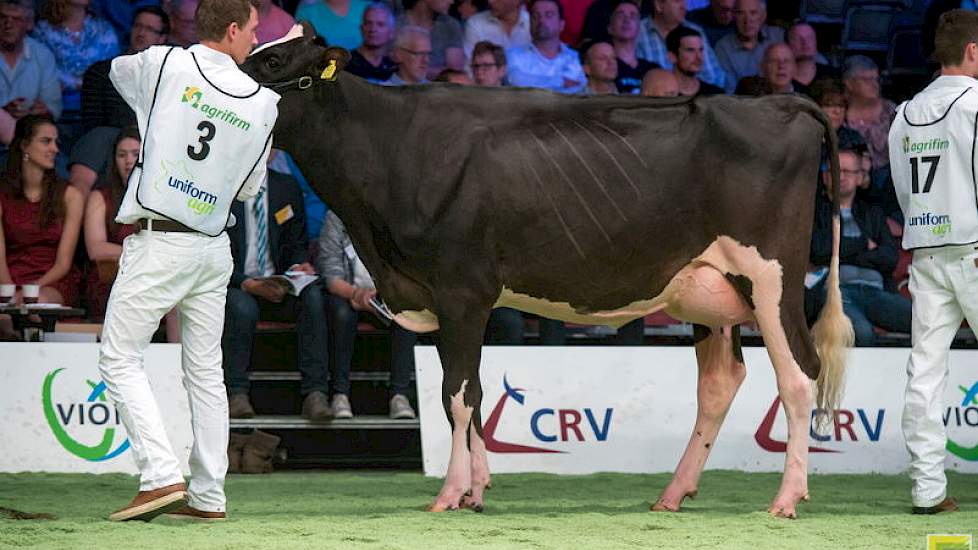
(965, 414)
(94, 411)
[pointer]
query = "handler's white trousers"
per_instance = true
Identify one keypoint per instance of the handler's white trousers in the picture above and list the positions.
(158, 271)
(944, 286)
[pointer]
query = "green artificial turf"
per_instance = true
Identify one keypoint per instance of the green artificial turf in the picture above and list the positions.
(386, 510)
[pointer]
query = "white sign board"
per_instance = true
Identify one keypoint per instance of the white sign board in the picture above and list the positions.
(58, 417)
(579, 410)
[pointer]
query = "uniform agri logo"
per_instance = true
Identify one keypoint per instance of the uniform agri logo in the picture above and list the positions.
(547, 425)
(963, 415)
(64, 416)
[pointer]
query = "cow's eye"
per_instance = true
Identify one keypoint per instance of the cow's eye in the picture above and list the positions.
(272, 62)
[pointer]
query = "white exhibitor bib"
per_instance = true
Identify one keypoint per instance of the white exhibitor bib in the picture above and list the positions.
(932, 147)
(212, 143)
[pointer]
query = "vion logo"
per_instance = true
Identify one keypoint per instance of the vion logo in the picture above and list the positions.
(965, 414)
(93, 411)
(846, 425)
(547, 425)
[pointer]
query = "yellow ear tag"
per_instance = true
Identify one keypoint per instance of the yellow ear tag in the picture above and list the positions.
(329, 73)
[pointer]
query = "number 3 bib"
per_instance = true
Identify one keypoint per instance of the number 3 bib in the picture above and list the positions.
(201, 144)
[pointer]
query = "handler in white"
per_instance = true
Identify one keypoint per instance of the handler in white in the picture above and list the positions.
(206, 130)
(932, 158)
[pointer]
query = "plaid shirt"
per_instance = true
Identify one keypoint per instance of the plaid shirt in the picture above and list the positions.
(652, 46)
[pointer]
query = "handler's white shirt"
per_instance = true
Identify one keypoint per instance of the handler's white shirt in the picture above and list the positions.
(932, 160)
(135, 77)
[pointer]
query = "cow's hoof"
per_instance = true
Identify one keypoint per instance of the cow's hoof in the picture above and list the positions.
(438, 507)
(665, 504)
(660, 506)
(785, 509)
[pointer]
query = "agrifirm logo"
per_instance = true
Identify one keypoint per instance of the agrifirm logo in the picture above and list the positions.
(547, 424)
(926, 146)
(68, 416)
(846, 425)
(948, 542)
(193, 97)
(964, 416)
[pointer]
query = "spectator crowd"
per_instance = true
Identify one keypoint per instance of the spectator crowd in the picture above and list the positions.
(68, 144)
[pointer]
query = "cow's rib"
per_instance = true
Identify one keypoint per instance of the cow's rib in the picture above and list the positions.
(570, 183)
(611, 156)
(589, 171)
(625, 141)
(553, 205)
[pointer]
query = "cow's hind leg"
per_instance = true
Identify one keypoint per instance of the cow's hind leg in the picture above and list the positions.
(480, 480)
(460, 348)
(721, 371)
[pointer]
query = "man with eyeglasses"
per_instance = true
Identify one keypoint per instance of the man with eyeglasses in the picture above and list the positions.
(28, 74)
(932, 162)
(488, 64)
(412, 51)
(867, 258)
(104, 111)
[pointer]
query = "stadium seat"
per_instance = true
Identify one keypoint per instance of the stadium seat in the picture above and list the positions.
(823, 11)
(905, 56)
(867, 27)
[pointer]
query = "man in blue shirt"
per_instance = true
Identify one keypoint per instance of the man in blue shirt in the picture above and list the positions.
(28, 74)
(546, 62)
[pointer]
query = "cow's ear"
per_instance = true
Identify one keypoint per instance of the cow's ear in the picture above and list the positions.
(308, 31)
(334, 60)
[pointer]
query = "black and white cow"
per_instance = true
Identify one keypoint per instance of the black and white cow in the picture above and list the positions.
(585, 209)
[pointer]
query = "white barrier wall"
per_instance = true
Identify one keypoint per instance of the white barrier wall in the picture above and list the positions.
(57, 415)
(579, 410)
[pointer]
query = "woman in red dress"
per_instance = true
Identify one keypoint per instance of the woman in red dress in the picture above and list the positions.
(103, 236)
(41, 215)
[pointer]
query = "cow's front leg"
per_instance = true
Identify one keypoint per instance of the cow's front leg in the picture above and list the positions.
(721, 371)
(460, 349)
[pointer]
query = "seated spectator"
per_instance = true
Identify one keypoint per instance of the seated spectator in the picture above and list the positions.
(623, 30)
(686, 55)
(669, 14)
(101, 103)
(464, 9)
(753, 86)
(29, 82)
(445, 32)
(273, 21)
(595, 24)
(41, 215)
(454, 77)
(740, 53)
(831, 97)
(337, 21)
(183, 23)
(716, 20)
(867, 257)
(370, 61)
(778, 69)
(119, 14)
(103, 236)
(270, 239)
(77, 40)
(412, 49)
(488, 64)
(546, 62)
(350, 291)
(505, 24)
(601, 68)
(871, 115)
(660, 83)
(810, 64)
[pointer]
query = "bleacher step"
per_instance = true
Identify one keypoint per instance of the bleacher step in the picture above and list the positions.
(295, 422)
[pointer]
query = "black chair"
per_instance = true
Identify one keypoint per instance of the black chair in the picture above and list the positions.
(905, 56)
(823, 11)
(867, 27)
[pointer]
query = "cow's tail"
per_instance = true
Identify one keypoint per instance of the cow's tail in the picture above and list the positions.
(832, 332)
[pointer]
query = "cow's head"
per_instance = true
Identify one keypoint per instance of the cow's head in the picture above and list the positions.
(299, 58)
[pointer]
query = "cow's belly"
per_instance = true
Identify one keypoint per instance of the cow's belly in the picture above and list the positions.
(699, 293)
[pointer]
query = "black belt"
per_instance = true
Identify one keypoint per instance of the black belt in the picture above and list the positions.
(168, 226)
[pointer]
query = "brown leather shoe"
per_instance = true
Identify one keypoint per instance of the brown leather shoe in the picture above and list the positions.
(190, 513)
(149, 504)
(239, 406)
(947, 505)
(316, 407)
